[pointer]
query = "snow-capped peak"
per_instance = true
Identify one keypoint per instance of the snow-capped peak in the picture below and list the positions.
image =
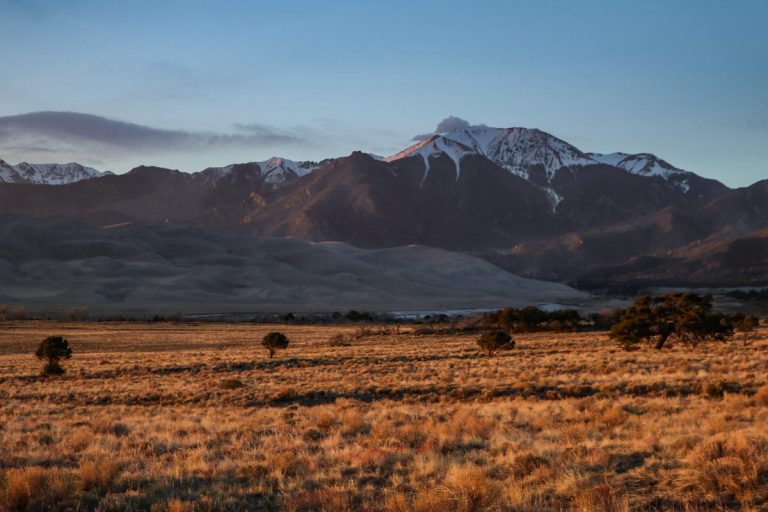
(275, 170)
(515, 149)
(46, 174)
(278, 170)
(520, 150)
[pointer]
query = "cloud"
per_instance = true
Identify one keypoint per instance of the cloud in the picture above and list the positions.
(266, 134)
(77, 134)
(448, 124)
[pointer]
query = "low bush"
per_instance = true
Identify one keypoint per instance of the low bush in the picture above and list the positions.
(493, 341)
(231, 384)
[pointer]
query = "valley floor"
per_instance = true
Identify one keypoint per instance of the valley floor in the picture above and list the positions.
(197, 417)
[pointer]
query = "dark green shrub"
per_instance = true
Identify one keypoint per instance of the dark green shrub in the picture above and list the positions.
(745, 324)
(717, 388)
(274, 341)
(232, 384)
(493, 341)
(357, 316)
(533, 319)
(53, 349)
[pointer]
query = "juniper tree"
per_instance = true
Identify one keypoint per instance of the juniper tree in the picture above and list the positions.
(53, 349)
(274, 341)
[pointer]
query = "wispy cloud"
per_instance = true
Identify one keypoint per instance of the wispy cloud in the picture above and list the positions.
(72, 133)
(448, 124)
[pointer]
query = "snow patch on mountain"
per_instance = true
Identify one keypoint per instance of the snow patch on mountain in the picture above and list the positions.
(645, 164)
(276, 171)
(518, 149)
(46, 174)
(434, 147)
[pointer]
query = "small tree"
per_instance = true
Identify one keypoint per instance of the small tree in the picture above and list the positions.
(53, 349)
(745, 324)
(493, 341)
(274, 341)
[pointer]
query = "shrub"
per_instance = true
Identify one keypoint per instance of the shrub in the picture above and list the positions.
(53, 349)
(745, 324)
(717, 388)
(98, 474)
(274, 341)
(232, 384)
(493, 341)
(731, 470)
(533, 319)
(36, 488)
(340, 339)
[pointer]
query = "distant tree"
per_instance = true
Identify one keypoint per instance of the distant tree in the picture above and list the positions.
(745, 324)
(53, 349)
(533, 319)
(686, 317)
(274, 341)
(357, 316)
(77, 314)
(605, 319)
(493, 341)
(18, 313)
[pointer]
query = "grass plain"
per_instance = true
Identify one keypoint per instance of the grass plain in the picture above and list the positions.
(196, 417)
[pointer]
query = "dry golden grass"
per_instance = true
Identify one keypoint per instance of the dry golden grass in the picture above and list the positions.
(197, 417)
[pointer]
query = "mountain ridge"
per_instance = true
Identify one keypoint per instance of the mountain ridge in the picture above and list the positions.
(47, 174)
(521, 198)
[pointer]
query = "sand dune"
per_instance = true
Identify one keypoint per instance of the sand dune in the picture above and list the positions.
(57, 264)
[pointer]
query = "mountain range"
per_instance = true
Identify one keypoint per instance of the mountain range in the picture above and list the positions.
(46, 174)
(520, 198)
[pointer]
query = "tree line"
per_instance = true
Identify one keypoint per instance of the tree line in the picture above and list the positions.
(681, 317)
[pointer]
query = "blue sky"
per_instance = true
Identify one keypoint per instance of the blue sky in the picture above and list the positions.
(686, 80)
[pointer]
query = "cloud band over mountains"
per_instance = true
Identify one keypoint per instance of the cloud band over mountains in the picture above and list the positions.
(75, 133)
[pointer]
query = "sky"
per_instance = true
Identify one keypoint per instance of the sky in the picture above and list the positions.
(189, 84)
